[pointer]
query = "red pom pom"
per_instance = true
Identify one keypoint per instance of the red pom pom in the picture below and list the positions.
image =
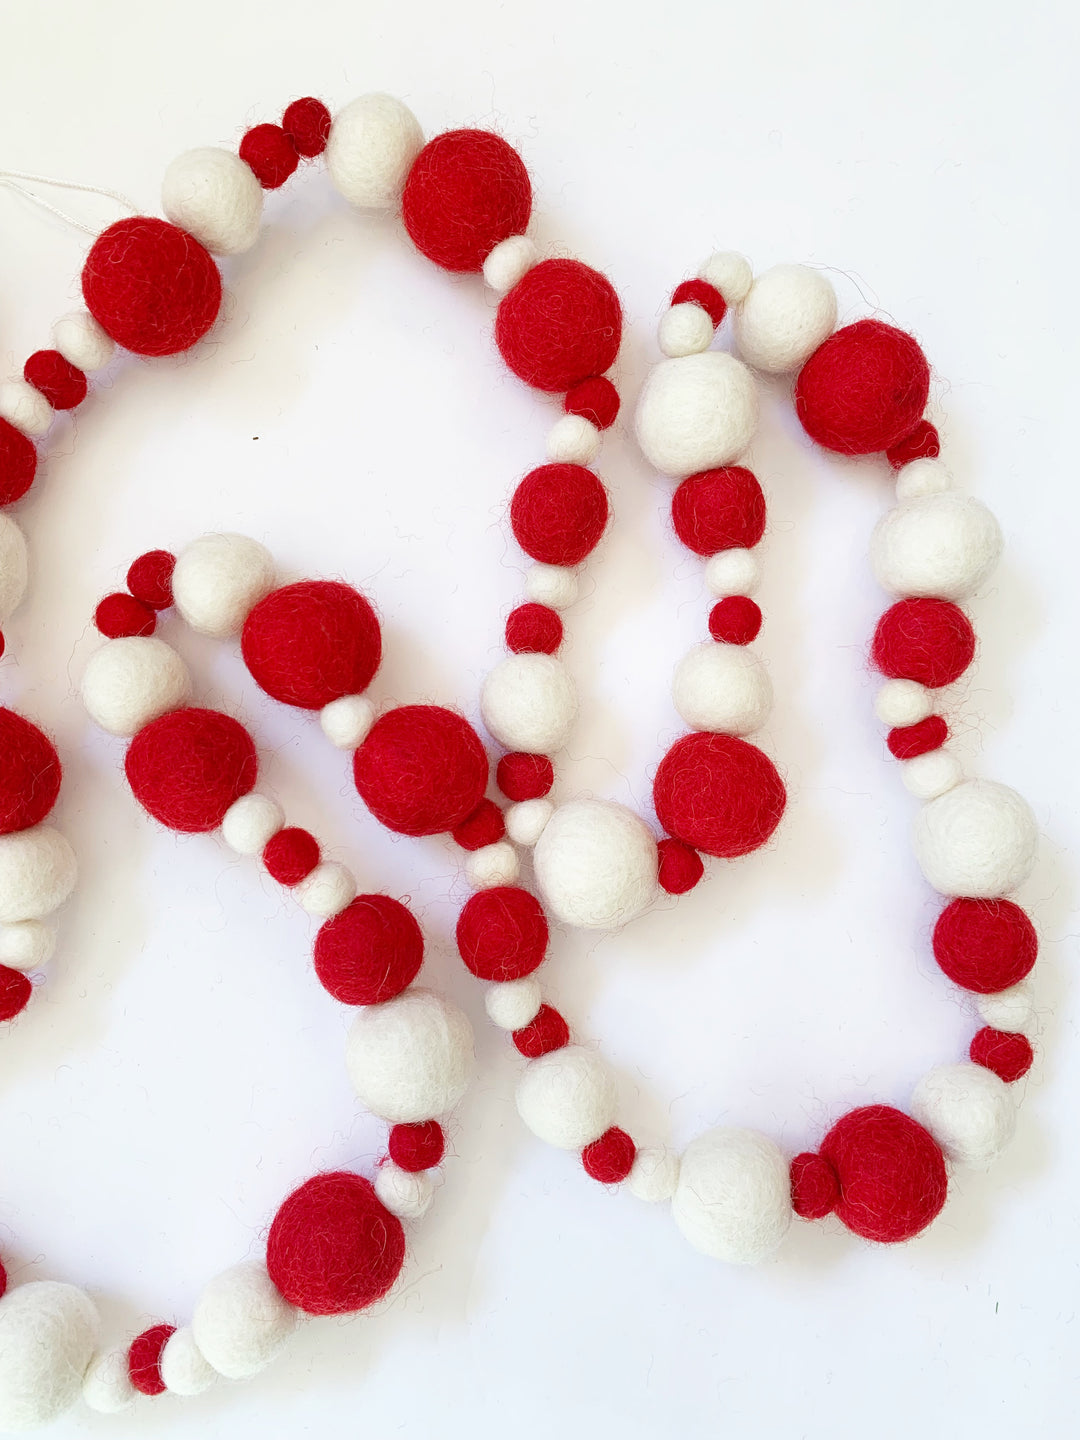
(291, 855)
(483, 827)
(863, 389)
(306, 123)
(985, 945)
(891, 1173)
(547, 1031)
(719, 794)
(680, 867)
(187, 767)
(62, 384)
(15, 992)
(421, 769)
(595, 400)
(502, 933)
(467, 191)
(907, 741)
(930, 641)
(735, 620)
(700, 292)
(144, 1359)
(560, 324)
(270, 154)
(533, 629)
(334, 1248)
(558, 513)
(313, 642)
(30, 773)
(922, 444)
(149, 578)
(611, 1158)
(719, 510)
(3, 1282)
(121, 614)
(18, 463)
(417, 1147)
(1007, 1054)
(369, 952)
(521, 776)
(815, 1190)
(151, 286)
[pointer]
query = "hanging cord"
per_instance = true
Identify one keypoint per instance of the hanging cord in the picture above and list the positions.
(10, 178)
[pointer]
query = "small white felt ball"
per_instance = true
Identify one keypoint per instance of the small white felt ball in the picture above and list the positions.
(373, 143)
(106, 1386)
(903, 702)
(730, 273)
(526, 820)
(511, 259)
(930, 775)
(596, 864)
(37, 873)
(1012, 1010)
(724, 688)
(241, 1320)
(696, 412)
(48, 1333)
(567, 1097)
(82, 341)
(132, 680)
(789, 311)
(978, 839)
(554, 585)
(26, 945)
(573, 440)
(184, 1368)
(654, 1174)
(327, 890)
(214, 195)
(733, 1199)
(410, 1058)
(513, 1004)
(685, 329)
(928, 476)
(528, 702)
(250, 822)
(968, 1109)
(13, 567)
(936, 545)
(732, 572)
(346, 722)
(24, 406)
(492, 865)
(218, 579)
(405, 1193)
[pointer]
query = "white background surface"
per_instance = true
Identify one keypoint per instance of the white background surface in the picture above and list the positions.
(180, 1070)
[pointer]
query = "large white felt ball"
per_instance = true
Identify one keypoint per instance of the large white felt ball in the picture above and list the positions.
(596, 864)
(373, 143)
(106, 1386)
(48, 1332)
(37, 873)
(696, 412)
(82, 341)
(977, 839)
(241, 1320)
(567, 1097)
(733, 1199)
(528, 702)
(184, 1368)
(410, 1058)
(214, 195)
(13, 567)
(968, 1109)
(937, 545)
(789, 311)
(723, 688)
(131, 681)
(218, 579)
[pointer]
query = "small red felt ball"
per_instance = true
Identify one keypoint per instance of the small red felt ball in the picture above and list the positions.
(121, 614)
(700, 292)
(483, 827)
(930, 641)
(417, 1147)
(522, 776)
(680, 866)
(546, 1031)
(313, 642)
(595, 400)
(735, 620)
(560, 324)
(30, 773)
(558, 513)
(815, 1189)
(144, 1359)
(269, 154)
(18, 463)
(719, 794)
(421, 769)
(891, 1173)
(864, 389)
(62, 384)
(502, 933)
(905, 742)
(15, 992)
(922, 444)
(333, 1247)
(985, 945)
(467, 191)
(291, 855)
(1007, 1054)
(306, 122)
(534, 630)
(187, 767)
(719, 510)
(3, 1282)
(149, 578)
(151, 286)
(611, 1158)
(369, 952)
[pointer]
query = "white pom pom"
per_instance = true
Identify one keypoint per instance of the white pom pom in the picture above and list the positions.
(346, 722)
(513, 1004)
(327, 890)
(214, 195)
(937, 545)
(723, 688)
(13, 567)
(410, 1058)
(373, 143)
(903, 702)
(573, 440)
(789, 311)
(405, 1193)
(730, 273)
(968, 1109)
(733, 1199)
(654, 1174)
(250, 822)
(37, 873)
(184, 1368)
(511, 259)
(526, 820)
(732, 572)
(48, 1332)
(553, 585)
(82, 341)
(567, 1097)
(106, 1386)
(218, 579)
(685, 329)
(978, 839)
(696, 412)
(241, 1321)
(1011, 1010)
(930, 775)
(131, 681)
(596, 864)
(528, 702)
(24, 406)
(26, 945)
(922, 477)
(492, 865)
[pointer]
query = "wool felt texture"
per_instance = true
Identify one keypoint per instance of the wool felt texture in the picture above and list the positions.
(546, 1032)
(1012, 1010)
(26, 946)
(979, 840)
(521, 776)
(485, 826)
(508, 261)
(935, 545)
(696, 412)
(416, 1147)
(188, 766)
(37, 873)
(144, 1359)
(526, 821)
(421, 769)
(680, 867)
(723, 688)
(733, 1197)
(890, 1171)
(405, 1193)
(493, 865)
(313, 642)
(730, 273)
(107, 1387)
(270, 154)
(241, 1321)
(30, 773)
(215, 196)
(654, 1174)
(969, 1110)
(863, 389)
(684, 329)
(15, 992)
(815, 1188)
(184, 1368)
(25, 407)
(250, 822)
(922, 443)
(345, 722)
(62, 384)
(567, 1097)
(596, 864)
(528, 702)
(291, 855)
(149, 578)
(372, 145)
(787, 313)
(513, 1004)
(922, 477)
(559, 325)
(370, 952)
(735, 620)
(573, 440)
(410, 1058)
(502, 933)
(307, 124)
(533, 629)
(467, 191)
(719, 510)
(47, 1336)
(985, 945)
(930, 775)
(328, 890)
(718, 794)
(18, 463)
(82, 341)
(553, 585)
(907, 741)
(930, 641)
(733, 572)
(558, 513)
(707, 297)
(903, 702)
(13, 566)
(121, 614)
(218, 579)
(1007, 1054)
(595, 400)
(610, 1158)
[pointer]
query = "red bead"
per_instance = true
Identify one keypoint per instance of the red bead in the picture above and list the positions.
(483, 827)
(985, 945)
(891, 1173)
(1007, 1054)
(719, 794)
(680, 866)
(700, 292)
(417, 1147)
(144, 1359)
(121, 614)
(547, 1031)
(502, 933)
(533, 629)
(719, 510)
(270, 154)
(735, 620)
(306, 124)
(521, 776)
(905, 742)
(930, 641)
(864, 389)
(149, 578)
(62, 384)
(815, 1190)
(187, 767)
(922, 444)
(369, 952)
(421, 769)
(558, 513)
(30, 773)
(467, 191)
(15, 992)
(18, 463)
(291, 855)
(611, 1158)
(595, 400)
(312, 642)
(559, 325)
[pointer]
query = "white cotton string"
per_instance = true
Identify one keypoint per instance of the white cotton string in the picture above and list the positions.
(10, 179)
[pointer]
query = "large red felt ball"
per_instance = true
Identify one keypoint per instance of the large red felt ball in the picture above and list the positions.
(421, 769)
(931, 641)
(719, 794)
(333, 1247)
(560, 324)
(467, 191)
(719, 510)
(891, 1173)
(985, 945)
(151, 286)
(864, 389)
(144, 1359)
(312, 642)
(502, 933)
(187, 767)
(18, 463)
(30, 773)
(370, 951)
(558, 513)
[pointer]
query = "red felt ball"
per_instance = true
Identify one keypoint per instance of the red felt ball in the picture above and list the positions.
(15, 992)
(483, 827)
(421, 769)
(149, 578)
(333, 1247)
(62, 384)
(815, 1189)
(719, 510)
(545, 1032)
(891, 1173)
(269, 154)
(502, 933)
(560, 324)
(922, 444)
(1007, 1054)
(30, 773)
(187, 767)
(735, 620)
(417, 1147)
(144, 1359)
(369, 952)
(719, 794)
(700, 292)
(558, 513)
(595, 400)
(521, 776)
(930, 641)
(680, 866)
(3, 1281)
(151, 286)
(306, 122)
(467, 191)
(863, 389)
(121, 614)
(291, 855)
(985, 945)
(18, 463)
(534, 629)
(313, 642)
(907, 741)
(611, 1158)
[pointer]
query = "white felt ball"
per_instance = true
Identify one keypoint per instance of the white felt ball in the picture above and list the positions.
(184, 1368)
(37, 873)
(528, 702)
(1012, 1010)
(26, 945)
(82, 341)
(573, 440)
(410, 1058)
(132, 680)
(696, 412)
(930, 775)
(513, 1004)
(978, 839)
(241, 1320)
(903, 702)
(724, 688)
(928, 476)
(685, 329)
(730, 273)
(654, 1174)
(405, 1193)
(373, 143)
(327, 890)
(526, 820)
(346, 722)
(567, 1097)
(250, 822)
(24, 406)
(218, 579)
(492, 865)
(936, 545)
(106, 1386)
(968, 1109)
(789, 311)
(214, 195)
(508, 262)
(13, 567)
(732, 572)
(48, 1333)
(596, 864)
(553, 585)
(733, 1199)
